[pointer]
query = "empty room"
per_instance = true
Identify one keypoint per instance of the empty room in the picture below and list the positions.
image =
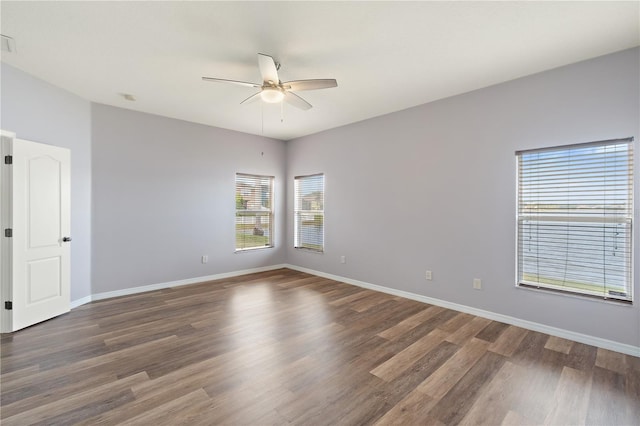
(319, 213)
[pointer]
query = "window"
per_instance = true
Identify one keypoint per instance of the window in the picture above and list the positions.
(309, 212)
(575, 210)
(254, 211)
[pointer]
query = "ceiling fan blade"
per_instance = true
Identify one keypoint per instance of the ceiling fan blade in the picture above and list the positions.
(298, 85)
(239, 83)
(251, 98)
(296, 101)
(268, 69)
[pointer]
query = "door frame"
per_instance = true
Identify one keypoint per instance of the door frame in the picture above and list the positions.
(23, 313)
(6, 221)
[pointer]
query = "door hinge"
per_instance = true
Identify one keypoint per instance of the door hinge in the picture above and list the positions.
(8, 232)
(8, 306)
(8, 159)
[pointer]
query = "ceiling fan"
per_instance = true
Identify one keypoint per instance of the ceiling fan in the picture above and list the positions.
(272, 90)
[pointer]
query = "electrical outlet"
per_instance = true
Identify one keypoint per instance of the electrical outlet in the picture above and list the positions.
(205, 258)
(428, 275)
(477, 283)
(343, 259)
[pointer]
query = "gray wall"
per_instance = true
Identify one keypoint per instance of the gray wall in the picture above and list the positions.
(433, 187)
(37, 111)
(164, 195)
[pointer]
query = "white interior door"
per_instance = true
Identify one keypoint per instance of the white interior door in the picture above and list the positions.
(40, 212)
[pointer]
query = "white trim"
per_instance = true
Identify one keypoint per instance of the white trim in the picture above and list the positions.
(530, 325)
(6, 221)
(160, 286)
(79, 302)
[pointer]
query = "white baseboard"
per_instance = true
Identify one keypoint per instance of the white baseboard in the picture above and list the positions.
(160, 286)
(80, 302)
(529, 325)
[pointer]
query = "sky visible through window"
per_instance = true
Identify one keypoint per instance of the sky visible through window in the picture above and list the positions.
(575, 217)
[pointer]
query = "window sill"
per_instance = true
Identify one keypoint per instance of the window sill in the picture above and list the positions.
(601, 299)
(248, 250)
(308, 250)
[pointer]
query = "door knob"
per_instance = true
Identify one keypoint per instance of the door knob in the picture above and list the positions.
(66, 239)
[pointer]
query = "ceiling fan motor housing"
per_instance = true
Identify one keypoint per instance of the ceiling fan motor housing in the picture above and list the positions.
(272, 94)
(272, 90)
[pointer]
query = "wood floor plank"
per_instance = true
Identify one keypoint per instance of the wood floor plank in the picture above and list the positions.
(94, 362)
(494, 403)
(63, 377)
(350, 298)
(254, 402)
(423, 328)
(149, 398)
(559, 344)
(45, 396)
(178, 411)
(571, 398)
(399, 363)
(412, 410)
(22, 373)
(410, 323)
(99, 393)
(467, 331)
(368, 302)
(632, 362)
(610, 360)
(398, 388)
(608, 403)
(581, 357)
(455, 404)
(541, 380)
(303, 280)
(440, 382)
(456, 322)
(514, 419)
(632, 391)
(113, 400)
(285, 347)
(508, 341)
(491, 332)
(58, 352)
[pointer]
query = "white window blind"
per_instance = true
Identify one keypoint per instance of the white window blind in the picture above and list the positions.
(254, 211)
(575, 211)
(309, 212)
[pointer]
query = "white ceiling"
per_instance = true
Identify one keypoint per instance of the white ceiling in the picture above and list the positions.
(386, 56)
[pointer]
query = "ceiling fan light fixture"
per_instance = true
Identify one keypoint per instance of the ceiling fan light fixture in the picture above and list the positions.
(272, 90)
(272, 95)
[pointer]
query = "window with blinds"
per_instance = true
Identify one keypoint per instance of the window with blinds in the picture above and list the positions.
(575, 211)
(309, 212)
(254, 211)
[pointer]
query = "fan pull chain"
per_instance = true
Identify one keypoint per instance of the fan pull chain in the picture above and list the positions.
(262, 115)
(282, 112)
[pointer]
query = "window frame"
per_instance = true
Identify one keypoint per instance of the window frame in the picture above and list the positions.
(579, 216)
(315, 212)
(253, 212)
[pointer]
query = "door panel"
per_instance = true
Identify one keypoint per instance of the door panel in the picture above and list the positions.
(43, 280)
(43, 183)
(41, 219)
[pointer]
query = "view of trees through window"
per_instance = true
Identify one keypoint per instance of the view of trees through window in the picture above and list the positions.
(254, 211)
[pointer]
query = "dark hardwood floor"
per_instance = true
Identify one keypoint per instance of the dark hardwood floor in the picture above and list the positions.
(284, 347)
